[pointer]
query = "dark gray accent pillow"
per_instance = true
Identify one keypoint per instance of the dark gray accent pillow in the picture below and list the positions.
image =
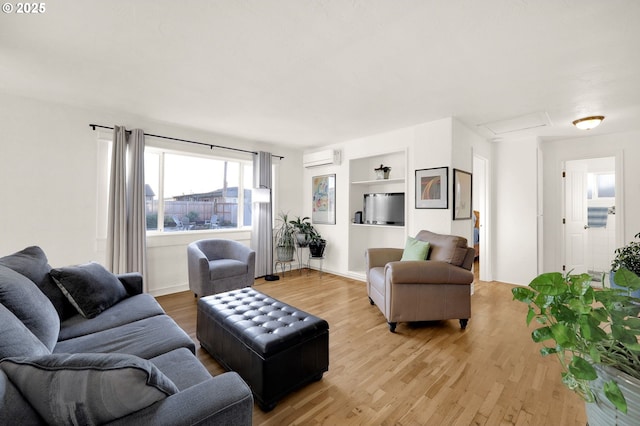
(33, 264)
(16, 339)
(87, 389)
(89, 287)
(22, 297)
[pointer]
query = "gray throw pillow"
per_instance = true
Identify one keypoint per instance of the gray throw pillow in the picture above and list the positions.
(89, 287)
(33, 264)
(87, 389)
(16, 339)
(22, 297)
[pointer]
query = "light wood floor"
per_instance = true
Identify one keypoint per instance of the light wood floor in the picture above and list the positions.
(426, 374)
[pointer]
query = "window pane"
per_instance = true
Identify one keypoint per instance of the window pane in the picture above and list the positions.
(200, 193)
(606, 185)
(151, 188)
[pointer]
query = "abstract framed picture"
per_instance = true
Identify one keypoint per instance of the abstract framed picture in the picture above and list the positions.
(432, 188)
(323, 191)
(461, 195)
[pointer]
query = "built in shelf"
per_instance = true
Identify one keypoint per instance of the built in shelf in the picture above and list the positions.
(380, 225)
(378, 181)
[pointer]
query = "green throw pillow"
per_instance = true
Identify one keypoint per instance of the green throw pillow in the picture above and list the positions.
(415, 249)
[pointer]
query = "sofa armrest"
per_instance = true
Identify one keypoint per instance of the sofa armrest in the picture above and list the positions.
(375, 257)
(427, 272)
(240, 253)
(14, 408)
(223, 399)
(132, 282)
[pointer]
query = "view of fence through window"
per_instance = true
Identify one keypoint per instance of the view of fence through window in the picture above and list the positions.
(198, 193)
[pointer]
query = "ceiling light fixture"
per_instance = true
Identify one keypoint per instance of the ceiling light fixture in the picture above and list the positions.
(588, 123)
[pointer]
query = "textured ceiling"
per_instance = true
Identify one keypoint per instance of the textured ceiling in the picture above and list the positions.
(312, 72)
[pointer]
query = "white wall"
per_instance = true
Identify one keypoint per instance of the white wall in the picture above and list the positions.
(464, 141)
(48, 157)
(48, 184)
(337, 236)
(514, 211)
(444, 142)
(432, 147)
(626, 149)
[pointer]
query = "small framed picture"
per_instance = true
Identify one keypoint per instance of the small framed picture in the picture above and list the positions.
(432, 190)
(323, 191)
(461, 195)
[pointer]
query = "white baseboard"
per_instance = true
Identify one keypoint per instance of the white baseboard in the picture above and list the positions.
(169, 290)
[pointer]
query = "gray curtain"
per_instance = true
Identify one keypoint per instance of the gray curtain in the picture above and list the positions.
(262, 235)
(126, 231)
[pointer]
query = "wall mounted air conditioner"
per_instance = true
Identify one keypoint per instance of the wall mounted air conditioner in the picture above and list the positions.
(321, 158)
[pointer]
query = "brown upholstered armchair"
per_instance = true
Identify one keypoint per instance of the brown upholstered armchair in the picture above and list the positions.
(422, 290)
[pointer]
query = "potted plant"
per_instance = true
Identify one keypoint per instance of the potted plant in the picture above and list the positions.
(304, 230)
(284, 238)
(627, 257)
(594, 335)
(382, 172)
(317, 244)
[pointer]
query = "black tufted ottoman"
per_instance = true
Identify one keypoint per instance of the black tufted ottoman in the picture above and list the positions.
(275, 347)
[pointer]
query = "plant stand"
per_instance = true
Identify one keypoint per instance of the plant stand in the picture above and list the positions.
(283, 266)
(299, 251)
(319, 258)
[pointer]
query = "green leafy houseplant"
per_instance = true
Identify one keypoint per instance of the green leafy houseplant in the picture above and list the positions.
(308, 235)
(284, 237)
(584, 328)
(628, 257)
(305, 230)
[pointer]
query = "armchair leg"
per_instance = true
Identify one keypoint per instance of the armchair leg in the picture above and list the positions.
(392, 326)
(463, 323)
(371, 301)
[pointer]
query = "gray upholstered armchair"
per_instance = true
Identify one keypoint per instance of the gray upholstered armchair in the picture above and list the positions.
(422, 290)
(217, 265)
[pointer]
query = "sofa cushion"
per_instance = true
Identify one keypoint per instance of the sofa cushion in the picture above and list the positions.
(22, 297)
(89, 287)
(225, 268)
(181, 367)
(87, 388)
(131, 309)
(446, 248)
(415, 249)
(33, 264)
(16, 339)
(145, 338)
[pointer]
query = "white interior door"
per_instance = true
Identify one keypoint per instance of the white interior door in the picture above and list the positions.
(576, 217)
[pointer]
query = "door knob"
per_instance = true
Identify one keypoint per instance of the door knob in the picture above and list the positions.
(586, 227)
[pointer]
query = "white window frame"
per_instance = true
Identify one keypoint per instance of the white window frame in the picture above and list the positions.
(104, 141)
(241, 187)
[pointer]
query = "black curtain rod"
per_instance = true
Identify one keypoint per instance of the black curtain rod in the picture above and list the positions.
(211, 146)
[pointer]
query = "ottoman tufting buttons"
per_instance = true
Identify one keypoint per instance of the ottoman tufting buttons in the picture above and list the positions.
(276, 348)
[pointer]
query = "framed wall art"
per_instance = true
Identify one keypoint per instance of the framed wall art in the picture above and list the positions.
(432, 188)
(323, 191)
(461, 195)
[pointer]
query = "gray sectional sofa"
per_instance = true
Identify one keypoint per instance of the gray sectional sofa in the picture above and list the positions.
(79, 345)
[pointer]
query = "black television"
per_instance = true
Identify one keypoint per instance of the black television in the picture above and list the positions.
(384, 208)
